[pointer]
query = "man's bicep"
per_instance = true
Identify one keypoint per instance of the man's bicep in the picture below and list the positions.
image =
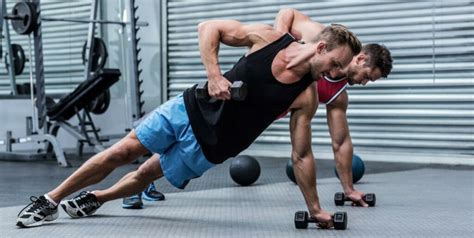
(231, 32)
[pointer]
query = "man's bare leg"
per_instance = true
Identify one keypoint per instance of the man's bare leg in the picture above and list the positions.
(100, 165)
(133, 182)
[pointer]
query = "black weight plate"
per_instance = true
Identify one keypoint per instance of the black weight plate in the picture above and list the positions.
(100, 104)
(99, 54)
(18, 59)
(27, 12)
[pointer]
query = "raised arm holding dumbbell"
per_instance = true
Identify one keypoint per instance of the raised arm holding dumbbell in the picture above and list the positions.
(218, 86)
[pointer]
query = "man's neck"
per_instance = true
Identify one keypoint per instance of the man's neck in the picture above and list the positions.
(298, 55)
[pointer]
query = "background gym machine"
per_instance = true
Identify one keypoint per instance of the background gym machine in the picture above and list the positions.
(39, 120)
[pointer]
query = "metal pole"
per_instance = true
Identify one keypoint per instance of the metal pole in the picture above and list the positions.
(125, 62)
(34, 128)
(9, 59)
(164, 51)
(40, 97)
(94, 21)
(90, 37)
(133, 62)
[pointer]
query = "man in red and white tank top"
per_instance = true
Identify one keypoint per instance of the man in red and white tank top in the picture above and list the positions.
(373, 63)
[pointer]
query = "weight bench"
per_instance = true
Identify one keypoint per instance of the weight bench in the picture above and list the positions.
(84, 93)
(77, 101)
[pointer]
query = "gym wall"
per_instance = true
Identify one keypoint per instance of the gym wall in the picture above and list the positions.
(426, 104)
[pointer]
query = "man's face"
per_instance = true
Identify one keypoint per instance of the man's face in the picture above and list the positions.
(326, 61)
(361, 75)
(357, 72)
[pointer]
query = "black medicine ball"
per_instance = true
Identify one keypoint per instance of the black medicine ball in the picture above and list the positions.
(244, 170)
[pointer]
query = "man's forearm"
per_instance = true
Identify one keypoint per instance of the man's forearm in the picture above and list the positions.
(284, 20)
(343, 157)
(305, 173)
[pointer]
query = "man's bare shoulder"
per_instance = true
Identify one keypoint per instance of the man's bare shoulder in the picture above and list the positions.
(263, 33)
(341, 101)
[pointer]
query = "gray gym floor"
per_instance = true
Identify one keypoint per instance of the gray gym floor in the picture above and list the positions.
(413, 200)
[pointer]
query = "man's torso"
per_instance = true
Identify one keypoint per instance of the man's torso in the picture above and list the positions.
(234, 125)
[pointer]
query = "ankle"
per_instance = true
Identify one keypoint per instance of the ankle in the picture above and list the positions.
(99, 196)
(51, 200)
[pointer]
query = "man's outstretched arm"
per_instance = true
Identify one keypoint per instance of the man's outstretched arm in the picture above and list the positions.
(342, 145)
(298, 24)
(302, 155)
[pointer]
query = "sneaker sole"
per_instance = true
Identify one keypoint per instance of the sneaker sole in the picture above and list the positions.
(131, 206)
(38, 223)
(20, 224)
(147, 198)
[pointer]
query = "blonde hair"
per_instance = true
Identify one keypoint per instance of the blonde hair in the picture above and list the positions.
(338, 35)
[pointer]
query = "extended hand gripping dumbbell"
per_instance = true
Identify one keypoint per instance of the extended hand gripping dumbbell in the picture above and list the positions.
(302, 219)
(341, 198)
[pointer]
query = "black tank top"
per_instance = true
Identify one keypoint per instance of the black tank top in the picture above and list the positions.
(225, 128)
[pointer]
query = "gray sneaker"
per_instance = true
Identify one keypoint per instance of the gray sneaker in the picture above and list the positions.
(37, 212)
(84, 204)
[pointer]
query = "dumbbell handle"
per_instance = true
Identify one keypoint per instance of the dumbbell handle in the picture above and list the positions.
(340, 198)
(314, 220)
(339, 220)
(363, 197)
(238, 91)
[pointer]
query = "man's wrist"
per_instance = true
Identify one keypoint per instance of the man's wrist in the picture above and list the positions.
(348, 190)
(315, 209)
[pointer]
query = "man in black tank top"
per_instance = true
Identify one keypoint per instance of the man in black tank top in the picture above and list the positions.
(192, 135)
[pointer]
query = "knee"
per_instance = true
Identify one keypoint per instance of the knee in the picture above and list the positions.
(117, 156)
(150, 170)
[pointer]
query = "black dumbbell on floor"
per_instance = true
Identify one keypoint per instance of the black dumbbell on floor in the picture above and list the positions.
(238, 91)
(340, 199)
(302, 219)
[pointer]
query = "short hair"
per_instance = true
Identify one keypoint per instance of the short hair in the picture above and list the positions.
(378, 57)
(337, 35)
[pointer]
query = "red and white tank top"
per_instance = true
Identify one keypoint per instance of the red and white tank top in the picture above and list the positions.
(329, 89)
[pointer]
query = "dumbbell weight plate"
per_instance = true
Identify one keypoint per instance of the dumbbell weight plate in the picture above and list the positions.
(301, 220)
(239, 91)
(339, 199)
(370, 199)
(340, 220)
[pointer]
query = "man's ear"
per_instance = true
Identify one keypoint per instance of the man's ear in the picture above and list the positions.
(361, 58)
(321, 47)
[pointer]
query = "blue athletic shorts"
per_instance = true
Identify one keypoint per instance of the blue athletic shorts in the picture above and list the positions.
(167, 131)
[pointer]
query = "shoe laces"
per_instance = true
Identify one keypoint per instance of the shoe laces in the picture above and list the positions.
(151, 187)
(36, 204)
